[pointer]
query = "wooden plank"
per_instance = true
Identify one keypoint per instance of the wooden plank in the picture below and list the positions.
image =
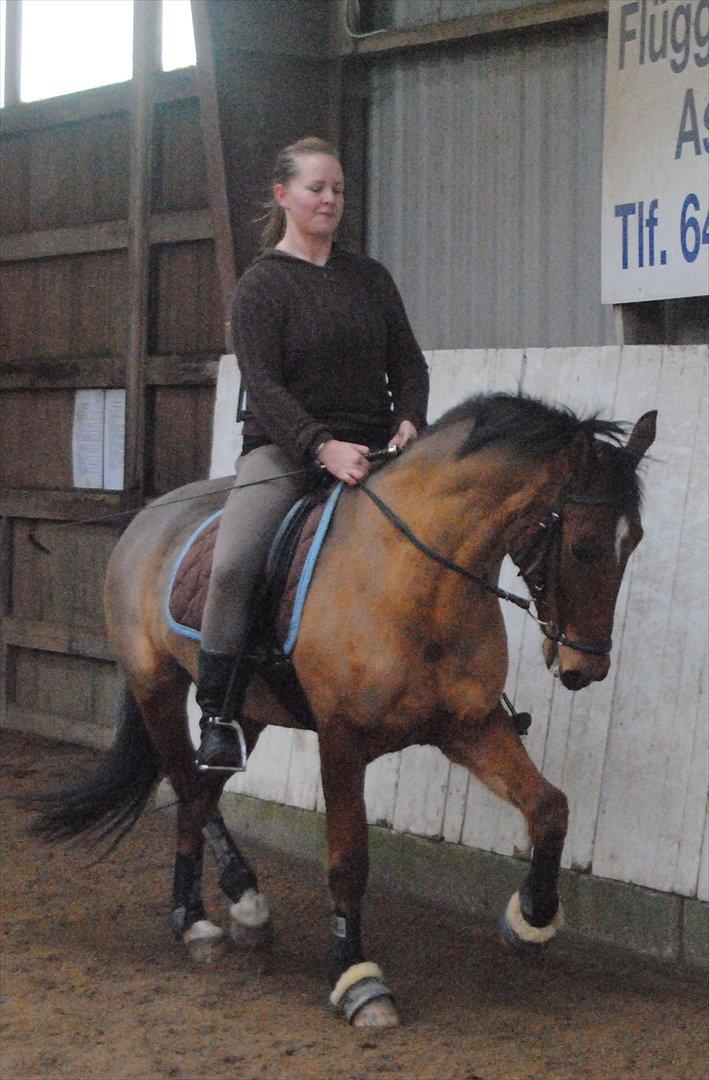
(12, 44)
(101, 373)
(703, 875)
(532, 16)
(182, 370)
(42, 425)
(31, 634)
(78, 506)
(169, 228)
(214, 160)
(95, 102)
(648, 755)
(303, 771)
(107, 373)
(56, 726)
(179, 181)
(145, 61)
(177, 450)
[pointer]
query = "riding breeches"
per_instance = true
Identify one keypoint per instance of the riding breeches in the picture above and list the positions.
(248, 525)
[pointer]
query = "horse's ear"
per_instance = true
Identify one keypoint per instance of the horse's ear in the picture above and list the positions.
(642, 436)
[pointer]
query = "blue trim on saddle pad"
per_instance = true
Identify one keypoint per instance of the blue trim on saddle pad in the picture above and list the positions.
(179, 628)
(307, 573)
(305, 577)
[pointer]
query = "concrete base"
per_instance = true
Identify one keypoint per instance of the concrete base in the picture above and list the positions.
(479, 883)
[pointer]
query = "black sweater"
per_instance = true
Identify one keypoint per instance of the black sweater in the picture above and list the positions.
(325, 352)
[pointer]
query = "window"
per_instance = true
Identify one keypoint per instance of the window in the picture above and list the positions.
(70, 45)
(177, 35)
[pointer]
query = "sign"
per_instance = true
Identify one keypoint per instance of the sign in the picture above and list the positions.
(98, 439)
(655, 207)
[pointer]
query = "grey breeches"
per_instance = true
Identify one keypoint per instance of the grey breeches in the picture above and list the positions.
(247, 527)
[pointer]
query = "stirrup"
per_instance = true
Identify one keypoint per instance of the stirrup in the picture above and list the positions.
(216, 722)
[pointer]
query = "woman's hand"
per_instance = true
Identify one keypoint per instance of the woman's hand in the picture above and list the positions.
(344, 460)
(404, 435)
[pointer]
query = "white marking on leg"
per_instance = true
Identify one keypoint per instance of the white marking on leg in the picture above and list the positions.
(536, 935)
(621, 533)
(202, 930)
(251, 909)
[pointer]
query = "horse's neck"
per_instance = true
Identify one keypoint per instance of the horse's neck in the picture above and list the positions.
(467, 508)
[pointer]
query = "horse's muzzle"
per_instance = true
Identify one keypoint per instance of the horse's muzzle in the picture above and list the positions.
(575, 670)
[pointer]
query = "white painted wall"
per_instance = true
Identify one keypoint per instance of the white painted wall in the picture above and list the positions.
(632, 752)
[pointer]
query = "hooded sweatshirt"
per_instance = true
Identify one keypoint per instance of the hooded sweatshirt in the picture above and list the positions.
(325, 352)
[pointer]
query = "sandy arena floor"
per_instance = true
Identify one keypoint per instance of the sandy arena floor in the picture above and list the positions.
(94, 985)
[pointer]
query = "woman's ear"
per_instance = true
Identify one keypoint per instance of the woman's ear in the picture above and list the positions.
(279, 194)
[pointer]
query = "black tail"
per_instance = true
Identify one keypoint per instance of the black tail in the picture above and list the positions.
(112, 800)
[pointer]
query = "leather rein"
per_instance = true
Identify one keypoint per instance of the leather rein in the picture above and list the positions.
(546, 537)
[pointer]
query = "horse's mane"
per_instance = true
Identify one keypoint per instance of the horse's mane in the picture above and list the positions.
(531, 427)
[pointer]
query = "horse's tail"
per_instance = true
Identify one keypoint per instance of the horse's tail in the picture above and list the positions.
(112, 799)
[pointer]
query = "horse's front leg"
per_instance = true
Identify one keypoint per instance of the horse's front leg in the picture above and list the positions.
(358, 988)
(495, 754)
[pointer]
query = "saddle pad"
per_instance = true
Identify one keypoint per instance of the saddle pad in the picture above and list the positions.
(187, 592)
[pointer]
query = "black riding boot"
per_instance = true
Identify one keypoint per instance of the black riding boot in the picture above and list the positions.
(223, 746)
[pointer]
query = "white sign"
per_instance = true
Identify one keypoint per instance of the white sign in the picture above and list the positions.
(655, 213)
(98, 439)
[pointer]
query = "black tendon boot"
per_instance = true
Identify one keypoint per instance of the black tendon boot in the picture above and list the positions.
(219, 677)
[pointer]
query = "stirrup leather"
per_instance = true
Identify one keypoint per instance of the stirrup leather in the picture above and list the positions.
(217, 722)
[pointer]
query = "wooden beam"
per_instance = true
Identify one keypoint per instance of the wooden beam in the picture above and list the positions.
(5, 604)
(181, 370)
(47, 637)
(73, 505)
(529, 17)
(23, 117)
(13, 44)
(145, 61)
(102, 373)
(214, 161)
(53, 726)
(107, 372)
(173, 228)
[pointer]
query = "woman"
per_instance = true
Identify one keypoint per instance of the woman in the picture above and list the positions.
(331, 370)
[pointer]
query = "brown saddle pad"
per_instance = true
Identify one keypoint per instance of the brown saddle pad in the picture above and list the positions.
(191, 580)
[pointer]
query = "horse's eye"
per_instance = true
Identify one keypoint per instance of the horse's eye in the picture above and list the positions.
(585, 552)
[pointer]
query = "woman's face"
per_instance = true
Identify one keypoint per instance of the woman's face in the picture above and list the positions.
(314, 198)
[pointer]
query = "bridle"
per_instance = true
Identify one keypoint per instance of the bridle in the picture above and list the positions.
(533, 565)
(532, 562)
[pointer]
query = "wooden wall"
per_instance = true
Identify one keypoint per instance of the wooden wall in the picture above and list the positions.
(65, 314)
(632, 752)
(126, 213)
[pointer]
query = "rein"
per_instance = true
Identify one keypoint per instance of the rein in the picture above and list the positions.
(546, 534)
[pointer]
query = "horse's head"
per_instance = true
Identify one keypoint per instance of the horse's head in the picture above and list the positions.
(574, 562)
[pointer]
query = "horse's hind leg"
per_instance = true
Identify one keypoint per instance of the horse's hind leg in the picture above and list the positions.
(162, 701)
(199, 819)
(495, 754)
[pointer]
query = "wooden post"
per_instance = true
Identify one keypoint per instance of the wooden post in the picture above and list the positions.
(13, 42)
(214, 160)
(145, 64)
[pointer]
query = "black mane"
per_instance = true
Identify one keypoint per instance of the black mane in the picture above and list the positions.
(531, 427)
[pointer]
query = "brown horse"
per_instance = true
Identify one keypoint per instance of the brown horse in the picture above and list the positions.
(402, 641)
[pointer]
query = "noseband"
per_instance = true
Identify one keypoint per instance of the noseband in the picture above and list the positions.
(546, 539)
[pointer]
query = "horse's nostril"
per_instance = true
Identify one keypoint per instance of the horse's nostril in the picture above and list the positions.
(574, 680)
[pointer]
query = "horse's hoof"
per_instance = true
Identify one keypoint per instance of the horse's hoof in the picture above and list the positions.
(519, 935)
(205, 942)
(251, 929)
(362, 997)
(379, 1013)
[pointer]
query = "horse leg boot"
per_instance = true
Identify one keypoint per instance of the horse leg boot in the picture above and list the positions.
(495, 754)
(203, 940)
(358, 988)
(251, 927)
(221, 687)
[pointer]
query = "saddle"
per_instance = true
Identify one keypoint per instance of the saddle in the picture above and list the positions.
(280, 594)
